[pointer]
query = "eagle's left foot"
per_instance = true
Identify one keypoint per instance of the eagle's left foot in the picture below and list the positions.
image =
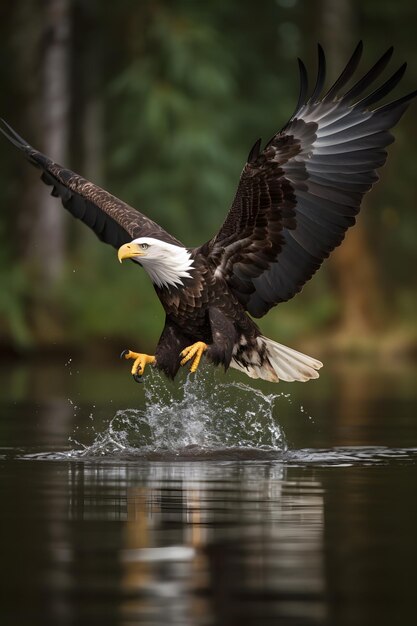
(140, 362)
(194, 352)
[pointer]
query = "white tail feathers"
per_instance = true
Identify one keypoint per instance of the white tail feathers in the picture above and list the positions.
(279, 363)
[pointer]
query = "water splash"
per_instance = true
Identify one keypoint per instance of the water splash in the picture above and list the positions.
(200, 418)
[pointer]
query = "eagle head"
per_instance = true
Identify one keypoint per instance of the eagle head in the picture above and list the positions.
(166, 263)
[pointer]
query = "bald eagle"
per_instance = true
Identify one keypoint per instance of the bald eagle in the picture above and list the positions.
(295, 200)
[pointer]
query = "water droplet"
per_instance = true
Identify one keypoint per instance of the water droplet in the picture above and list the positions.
(203, 415)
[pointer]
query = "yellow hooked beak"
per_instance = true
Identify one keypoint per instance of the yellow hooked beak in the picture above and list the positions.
(129, 250)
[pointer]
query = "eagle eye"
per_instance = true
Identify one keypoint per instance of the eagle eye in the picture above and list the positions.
(144, 246)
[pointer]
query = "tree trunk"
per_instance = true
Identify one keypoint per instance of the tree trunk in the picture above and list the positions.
(352, 266)
(47, 245)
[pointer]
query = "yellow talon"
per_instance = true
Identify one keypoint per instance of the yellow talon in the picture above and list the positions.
(194, 352)
(139, 363)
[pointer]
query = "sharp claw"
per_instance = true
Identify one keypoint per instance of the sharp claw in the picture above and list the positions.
(139, 364)
(187, 358)
(193, 353)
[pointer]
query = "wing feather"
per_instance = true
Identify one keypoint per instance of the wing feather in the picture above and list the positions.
(383, 90)
(321, 75)
(303, 85)
(371, 75)
(112, 220)
(346, 75)
(298, 196)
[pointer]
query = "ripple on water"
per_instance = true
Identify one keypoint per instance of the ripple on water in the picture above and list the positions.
(348, 456)
(208, 420)
(330, 457)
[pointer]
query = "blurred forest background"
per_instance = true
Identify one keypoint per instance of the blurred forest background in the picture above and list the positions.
(159, 101)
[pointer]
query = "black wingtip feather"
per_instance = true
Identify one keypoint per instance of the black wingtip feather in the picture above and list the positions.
(367, 80)
(346, 74)
(303, 86)
(10, 138)
(396, 108)
(13, 136)
(321, 74)
(384, 89)
(404, 100)
(254, 152)
(33, 156)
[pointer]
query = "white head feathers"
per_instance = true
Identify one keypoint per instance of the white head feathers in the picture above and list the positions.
(165, 263)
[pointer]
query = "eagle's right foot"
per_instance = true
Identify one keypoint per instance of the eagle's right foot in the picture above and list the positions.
(193, 353)
(139, 364)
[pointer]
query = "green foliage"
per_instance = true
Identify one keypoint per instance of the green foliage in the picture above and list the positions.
(103, 299)
(13, 300)
(172, 134)
(186, 88)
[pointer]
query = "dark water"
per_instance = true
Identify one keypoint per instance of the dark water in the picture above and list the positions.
(208, 502)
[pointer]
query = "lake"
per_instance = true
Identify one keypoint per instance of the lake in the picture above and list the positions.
(215, 501)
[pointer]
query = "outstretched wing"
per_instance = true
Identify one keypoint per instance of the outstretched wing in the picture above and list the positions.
(297, 198)
(112, 220)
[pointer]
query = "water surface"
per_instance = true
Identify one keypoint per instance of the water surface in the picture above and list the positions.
(210, 501)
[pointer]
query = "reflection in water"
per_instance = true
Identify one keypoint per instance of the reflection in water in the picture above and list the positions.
(323, 532)
(210, 543)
